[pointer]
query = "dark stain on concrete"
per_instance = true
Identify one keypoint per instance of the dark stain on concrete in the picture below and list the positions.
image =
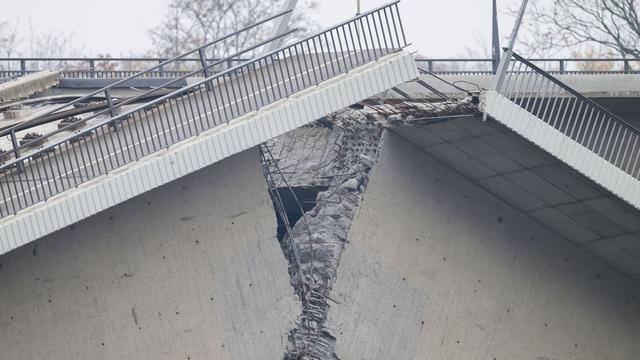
(238, 214)
(134, 315)
(187, 218)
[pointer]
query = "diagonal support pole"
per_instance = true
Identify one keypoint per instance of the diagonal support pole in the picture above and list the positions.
(282, 25)
(495, 46)
(506, 58)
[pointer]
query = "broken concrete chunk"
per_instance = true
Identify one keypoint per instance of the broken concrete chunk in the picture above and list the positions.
(27, 85)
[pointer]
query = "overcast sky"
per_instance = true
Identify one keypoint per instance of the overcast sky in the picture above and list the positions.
(119, 27)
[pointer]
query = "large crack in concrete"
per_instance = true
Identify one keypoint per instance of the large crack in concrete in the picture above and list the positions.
(331, 158)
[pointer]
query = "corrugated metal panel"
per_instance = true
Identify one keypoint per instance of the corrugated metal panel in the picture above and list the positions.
(218, 143)
(564, 148)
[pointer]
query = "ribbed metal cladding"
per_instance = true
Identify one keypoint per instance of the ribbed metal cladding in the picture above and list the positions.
(603, 172)
(206, 149)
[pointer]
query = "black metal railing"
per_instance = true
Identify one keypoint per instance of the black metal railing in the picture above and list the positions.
(573, 114)
(98, 68)
(50, 165)
(109, 68)
(552, 65)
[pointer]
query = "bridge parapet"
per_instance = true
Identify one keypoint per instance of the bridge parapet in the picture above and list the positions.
(202, 123)
(570, 126)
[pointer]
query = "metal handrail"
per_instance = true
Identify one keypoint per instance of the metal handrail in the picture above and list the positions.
(432, 63)
(130, 100)
(571, 113)
(168, 61)
(87, 59)
(573, 92)
(201, 106)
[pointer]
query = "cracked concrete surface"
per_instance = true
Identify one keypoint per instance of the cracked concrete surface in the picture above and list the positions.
(337, 153)
(319, 236)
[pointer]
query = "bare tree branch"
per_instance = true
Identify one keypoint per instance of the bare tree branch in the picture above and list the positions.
(191, 23)
(599, 26)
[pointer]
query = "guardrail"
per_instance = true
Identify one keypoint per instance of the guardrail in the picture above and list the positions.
(571, 113)
(98, 68)
(206, 67)
(107, 145)
(105, 67)
(552, 65)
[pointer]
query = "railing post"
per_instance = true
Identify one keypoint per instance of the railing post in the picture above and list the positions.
(23, 66)
(107, 94)
(205, 71)
(92, 68)
(627, 67)
(161, 68)
(16, 148)
(561, 67)
(506, 59)
(430, 65)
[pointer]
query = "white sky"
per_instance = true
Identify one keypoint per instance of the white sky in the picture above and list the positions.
(437, 28)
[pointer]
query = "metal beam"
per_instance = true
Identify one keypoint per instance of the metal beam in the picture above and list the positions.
(282, 25)
(495, 48)
(504, 62)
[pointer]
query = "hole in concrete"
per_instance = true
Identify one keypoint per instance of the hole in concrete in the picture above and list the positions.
(306, 196)
(315, 176)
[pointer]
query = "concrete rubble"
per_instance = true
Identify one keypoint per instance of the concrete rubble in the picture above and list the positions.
(334, 156)
(27, 85)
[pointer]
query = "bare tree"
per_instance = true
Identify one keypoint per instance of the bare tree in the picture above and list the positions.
(192, 23)
(16, 43)
(600, 26)
(8, 38)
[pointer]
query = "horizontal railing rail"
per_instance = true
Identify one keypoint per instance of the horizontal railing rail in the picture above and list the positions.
(578, 117)
(107, 67)
(478, 66)
(86, 68)
(95, 67)
(205, 63)
(99, 148)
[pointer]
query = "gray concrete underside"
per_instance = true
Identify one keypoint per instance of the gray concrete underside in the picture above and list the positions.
(538, 185)
(189, 270)
(438, 268)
